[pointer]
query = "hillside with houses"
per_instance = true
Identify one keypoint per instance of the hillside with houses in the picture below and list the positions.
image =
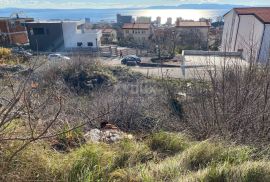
(138, 99)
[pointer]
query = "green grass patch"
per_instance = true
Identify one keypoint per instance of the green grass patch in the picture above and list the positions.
(168, 143)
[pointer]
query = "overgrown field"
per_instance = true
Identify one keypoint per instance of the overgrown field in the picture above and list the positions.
(159, 157)
(183, 130)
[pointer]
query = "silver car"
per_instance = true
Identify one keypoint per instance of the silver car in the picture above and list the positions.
(55, 57)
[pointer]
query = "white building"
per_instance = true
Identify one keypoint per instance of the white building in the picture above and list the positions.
(76, 34)
(248, 30)
(143, 19)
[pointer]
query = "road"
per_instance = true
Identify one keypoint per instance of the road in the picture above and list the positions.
(196, 67)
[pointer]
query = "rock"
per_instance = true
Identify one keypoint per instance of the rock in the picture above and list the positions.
(93, 135)
(106, 135)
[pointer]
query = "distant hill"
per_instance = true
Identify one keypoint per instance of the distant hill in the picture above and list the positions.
(198, 6)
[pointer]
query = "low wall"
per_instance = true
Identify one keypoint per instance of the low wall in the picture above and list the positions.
(210, 53)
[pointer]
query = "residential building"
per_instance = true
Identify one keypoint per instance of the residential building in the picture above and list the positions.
(137, 32)
(122, 19)
(193, 34)
(158, 21)
(143, 19)
(109, 36)
(248, 30)
(169, 21)
(45, 35)
(14, 30)
(60, 35)
(77, 35)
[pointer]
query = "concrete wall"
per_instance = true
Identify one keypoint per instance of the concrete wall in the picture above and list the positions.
(249, 37)
(231, 23)
(265, 48)
(72, 35)
(210, 53)
(51, 40)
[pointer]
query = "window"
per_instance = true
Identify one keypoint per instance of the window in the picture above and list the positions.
(38, 31)
(79, 44)
(90, 44)
(47, 31)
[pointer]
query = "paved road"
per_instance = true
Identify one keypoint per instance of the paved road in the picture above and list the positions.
(192, 72)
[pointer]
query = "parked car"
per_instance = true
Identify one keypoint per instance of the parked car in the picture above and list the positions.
(131, 60)
(54, 57)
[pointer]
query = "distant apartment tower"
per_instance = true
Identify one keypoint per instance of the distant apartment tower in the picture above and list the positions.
(14, 30)
(143, 19)
(122, 19)
(169, 21)
(158, 20)
(54, 36)
(248, 30)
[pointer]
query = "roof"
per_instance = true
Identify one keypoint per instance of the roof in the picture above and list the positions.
(262, 13)
(136, 26)
(107, 30)
(193, 24)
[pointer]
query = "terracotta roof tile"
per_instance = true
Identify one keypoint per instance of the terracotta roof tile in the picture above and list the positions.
(262, 13)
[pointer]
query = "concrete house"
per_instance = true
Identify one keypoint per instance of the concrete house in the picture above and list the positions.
(61, 35)
(45, 35)
(14, 30)
(76, 35)
(194, 34)
(137, 32)
(248, 30)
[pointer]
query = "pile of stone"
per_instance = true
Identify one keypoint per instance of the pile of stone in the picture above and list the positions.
(108, 134)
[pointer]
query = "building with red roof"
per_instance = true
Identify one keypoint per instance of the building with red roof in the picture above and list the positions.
(248, 30)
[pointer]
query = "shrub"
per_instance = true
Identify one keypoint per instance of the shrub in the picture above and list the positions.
(168, 143)
(4, 53)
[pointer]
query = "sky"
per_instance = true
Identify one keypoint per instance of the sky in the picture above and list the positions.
(103, 4)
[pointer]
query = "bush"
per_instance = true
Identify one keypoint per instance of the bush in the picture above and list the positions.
(168, 143)
(4, 53)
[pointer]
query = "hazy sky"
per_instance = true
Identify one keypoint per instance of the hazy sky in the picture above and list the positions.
(116, 3)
